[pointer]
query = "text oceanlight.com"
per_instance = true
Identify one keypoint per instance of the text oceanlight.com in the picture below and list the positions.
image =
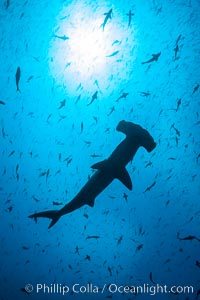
(112, 288)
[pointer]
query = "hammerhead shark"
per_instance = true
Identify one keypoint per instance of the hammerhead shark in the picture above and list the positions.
(107, 170)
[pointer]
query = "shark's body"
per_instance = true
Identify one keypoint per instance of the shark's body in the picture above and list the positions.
(107, 170)
(154, 58)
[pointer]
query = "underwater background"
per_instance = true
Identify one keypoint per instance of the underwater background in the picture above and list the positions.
(76, 80)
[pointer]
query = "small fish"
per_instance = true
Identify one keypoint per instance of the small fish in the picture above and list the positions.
(36, 199)
(57, 203)
(79, 87)
(177, 131)
(30, 77)
(36, 58)
(3, 133)
(178, 104)
(47, 174)
(92, 237)
(195, 89)
(108, 16)
(64, 37)
(112, 54)
(42, 174)
(2, 103)
(57, 172)
(197, 263)
(17, 77)
(25, 248)
(82, 125)
(68, 65)
(96, 120)
(94, 97)
(62, 118)
(62, 104)
(139, 247)
(125, 196)
(116, 42)
(4, 172)
(78, 98)
(145, 94)
(150, 187)
(110, 271)
(10, 209)
(111, 111)
(148, 164)
(178, 39)
(119, 240)
(49, 116)
(77, 250)
(124, 95)
(154, 58)
(176, 49)
(197, 123)
(111, 197)
(197, 158)
(97, 83)
(107, 129)
(188, 238)
(95, 155)
(7, 4)
(87, 257)
(151, 279)
(69, 161)
(16, 171)
(167, 203)
(130, 14)
(11, 153)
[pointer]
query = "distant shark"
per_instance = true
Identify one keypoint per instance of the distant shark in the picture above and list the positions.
(154, 58)
(107, 170)
(108, 16)
(130, 14)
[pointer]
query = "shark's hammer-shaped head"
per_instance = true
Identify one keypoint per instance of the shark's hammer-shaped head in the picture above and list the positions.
(136, 132)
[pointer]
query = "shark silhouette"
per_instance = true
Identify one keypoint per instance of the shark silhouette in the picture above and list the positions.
(107, 170)
(108, 16)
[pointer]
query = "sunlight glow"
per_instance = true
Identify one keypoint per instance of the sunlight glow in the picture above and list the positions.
(81, 51)
(88, 47)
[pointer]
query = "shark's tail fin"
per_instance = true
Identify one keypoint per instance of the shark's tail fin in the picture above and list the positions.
(51, 214)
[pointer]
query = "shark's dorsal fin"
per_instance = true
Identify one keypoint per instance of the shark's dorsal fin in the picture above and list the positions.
(124, 177)
(102, 165)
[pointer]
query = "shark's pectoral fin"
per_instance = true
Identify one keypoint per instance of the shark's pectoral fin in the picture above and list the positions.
(119, 173)
(102, 165)
(124, 177)
(90, 202)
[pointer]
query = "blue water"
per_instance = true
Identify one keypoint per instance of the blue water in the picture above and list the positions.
(46, 151)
